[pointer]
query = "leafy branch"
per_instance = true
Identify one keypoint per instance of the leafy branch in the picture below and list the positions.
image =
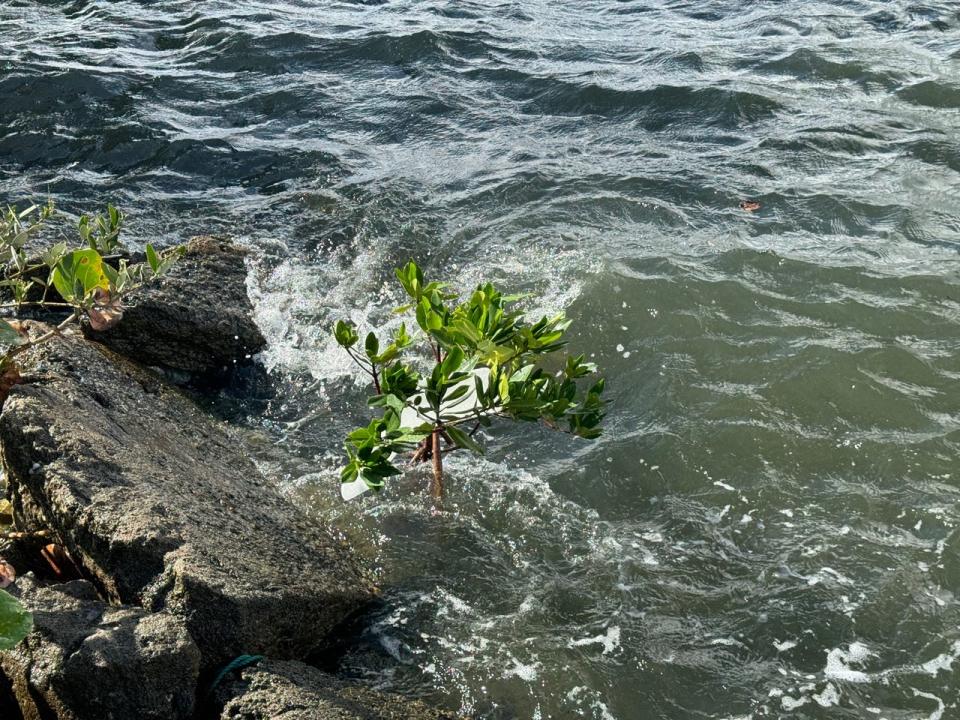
(85, 283)
(488, 363)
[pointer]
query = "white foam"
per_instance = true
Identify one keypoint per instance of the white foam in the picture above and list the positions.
(828, 697)
(610, 640)
(942, 662)
(527, 672)
(789, 703)
(604, 711)
(828, 573)
(839, 662)
(936, 714)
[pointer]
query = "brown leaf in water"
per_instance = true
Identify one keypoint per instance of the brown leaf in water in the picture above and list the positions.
(106, 311)
(7, 574)
(749, 205)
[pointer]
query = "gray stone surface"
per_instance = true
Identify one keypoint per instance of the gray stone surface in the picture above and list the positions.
(293, 691)
(163, 509)
(86, 660)
(196, 320)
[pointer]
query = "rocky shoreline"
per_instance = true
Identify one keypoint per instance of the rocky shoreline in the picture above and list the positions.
(188, 558)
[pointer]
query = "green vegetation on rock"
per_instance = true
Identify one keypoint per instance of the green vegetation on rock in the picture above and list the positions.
(80, 281)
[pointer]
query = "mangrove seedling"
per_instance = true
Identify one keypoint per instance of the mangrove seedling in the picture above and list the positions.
(479, 361)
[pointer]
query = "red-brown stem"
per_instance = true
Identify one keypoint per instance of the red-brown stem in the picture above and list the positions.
(436, 489)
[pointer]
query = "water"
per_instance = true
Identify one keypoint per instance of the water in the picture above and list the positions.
(769, 526)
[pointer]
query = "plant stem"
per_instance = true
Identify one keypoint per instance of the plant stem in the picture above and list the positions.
(371, 370)
(74, 316)
(34, 303)
(436, 489)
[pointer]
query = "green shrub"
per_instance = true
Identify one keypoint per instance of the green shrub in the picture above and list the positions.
(86, 284)
(486, 363)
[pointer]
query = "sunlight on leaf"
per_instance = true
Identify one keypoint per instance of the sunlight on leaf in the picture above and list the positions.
(15, 621)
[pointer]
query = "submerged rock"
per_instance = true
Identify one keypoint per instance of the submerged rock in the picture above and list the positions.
(86, 659)
(197, 320)
(162, 508)
(294, 691)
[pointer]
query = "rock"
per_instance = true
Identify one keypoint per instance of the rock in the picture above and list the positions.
(196, 320)
(294, 691)
(162, 508)
(86, 660)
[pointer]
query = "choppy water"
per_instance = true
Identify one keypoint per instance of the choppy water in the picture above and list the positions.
(770, 526)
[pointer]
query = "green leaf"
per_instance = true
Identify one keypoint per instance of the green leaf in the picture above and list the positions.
(361, 436)
(411, 278)
(472, 334)
(153, 260)
(522, 374)
(457, 393)
(349, 472)
(345, 334)
(15, 621)
(463, 440)
(371, 345)
(452, 362)
(78, 274)
(53, 254)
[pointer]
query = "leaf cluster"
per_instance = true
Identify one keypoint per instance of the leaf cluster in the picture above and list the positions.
(102, 232)
(84, 281)
(485, 362)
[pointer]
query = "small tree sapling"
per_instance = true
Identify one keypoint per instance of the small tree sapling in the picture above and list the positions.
(484, 362)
